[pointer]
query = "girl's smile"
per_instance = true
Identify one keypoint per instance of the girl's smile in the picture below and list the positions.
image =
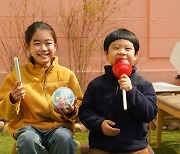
(42, 47)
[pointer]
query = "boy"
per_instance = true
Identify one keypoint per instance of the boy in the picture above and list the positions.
(113, 129)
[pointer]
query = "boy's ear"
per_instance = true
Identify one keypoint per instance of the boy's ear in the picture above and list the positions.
(106, 55)
(135, 58)
(136, 55)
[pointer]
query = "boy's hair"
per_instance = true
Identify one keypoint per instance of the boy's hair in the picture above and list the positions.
(38, 25)
(121, 34)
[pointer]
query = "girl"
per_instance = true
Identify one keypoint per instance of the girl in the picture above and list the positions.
(33, 121)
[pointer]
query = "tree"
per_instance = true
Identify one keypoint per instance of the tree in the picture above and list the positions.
(82, 24)
(13, 28)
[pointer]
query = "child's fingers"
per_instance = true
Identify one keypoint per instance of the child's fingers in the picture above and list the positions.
(69, 110)
(17, 84)
(58, 110)
(18, 91)
(123, 76)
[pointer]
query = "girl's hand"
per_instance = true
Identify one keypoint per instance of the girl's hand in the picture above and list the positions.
(63, 110)
(125, 82)
(108, 129)
(17, 93)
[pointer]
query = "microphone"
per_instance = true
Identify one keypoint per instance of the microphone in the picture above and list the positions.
(120, 67)
(18, 74)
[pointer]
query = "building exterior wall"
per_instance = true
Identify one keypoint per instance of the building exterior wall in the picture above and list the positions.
(156, 24)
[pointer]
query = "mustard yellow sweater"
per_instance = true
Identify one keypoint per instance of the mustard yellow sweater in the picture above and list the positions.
(36, 109)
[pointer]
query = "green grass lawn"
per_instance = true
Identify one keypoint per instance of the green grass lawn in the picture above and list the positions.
(169, 145)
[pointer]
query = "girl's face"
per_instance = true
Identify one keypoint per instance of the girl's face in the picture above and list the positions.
(42, 47)
(121, 49)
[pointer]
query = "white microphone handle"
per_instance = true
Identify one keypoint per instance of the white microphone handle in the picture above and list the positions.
(18, 74)
(124, 99)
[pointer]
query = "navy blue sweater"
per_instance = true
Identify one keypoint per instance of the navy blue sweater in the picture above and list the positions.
(103, 101)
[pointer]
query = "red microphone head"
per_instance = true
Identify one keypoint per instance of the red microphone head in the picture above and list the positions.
(122, 66)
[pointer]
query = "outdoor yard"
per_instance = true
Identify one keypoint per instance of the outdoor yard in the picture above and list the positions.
(170, 142)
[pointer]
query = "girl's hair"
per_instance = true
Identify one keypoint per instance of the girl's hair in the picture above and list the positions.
(38, 25)
(121, 34)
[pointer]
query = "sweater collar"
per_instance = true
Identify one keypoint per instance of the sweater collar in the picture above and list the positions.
(38, 69)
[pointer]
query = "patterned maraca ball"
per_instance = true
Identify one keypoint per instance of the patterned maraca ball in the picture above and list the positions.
(62, 97)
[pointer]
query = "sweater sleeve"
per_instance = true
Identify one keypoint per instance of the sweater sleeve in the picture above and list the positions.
(7, 109)
(142, 102)
(87, 112)
(75, 87)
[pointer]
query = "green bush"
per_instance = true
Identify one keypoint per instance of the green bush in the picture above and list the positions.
(169, 145)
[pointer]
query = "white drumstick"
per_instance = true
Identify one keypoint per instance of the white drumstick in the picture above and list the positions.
(18, 74)
(124, 99)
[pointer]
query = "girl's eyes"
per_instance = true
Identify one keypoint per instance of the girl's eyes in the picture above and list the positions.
(38, 43)
(49, 43)
(115, 48)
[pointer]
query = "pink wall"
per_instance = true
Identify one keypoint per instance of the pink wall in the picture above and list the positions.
(156, 23)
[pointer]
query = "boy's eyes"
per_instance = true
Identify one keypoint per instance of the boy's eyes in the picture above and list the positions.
(126, 48)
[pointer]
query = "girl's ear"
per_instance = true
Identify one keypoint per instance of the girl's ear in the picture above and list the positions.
(27, 47)
(55, 47)
(105, 52)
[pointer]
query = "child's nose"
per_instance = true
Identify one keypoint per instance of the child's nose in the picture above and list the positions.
(43, 47)
(121, 52)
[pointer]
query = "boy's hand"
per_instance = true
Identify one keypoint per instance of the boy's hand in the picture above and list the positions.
(108, 129)
(17, 93)
(125, 82)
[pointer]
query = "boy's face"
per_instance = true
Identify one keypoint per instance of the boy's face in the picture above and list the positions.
(121, 49)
